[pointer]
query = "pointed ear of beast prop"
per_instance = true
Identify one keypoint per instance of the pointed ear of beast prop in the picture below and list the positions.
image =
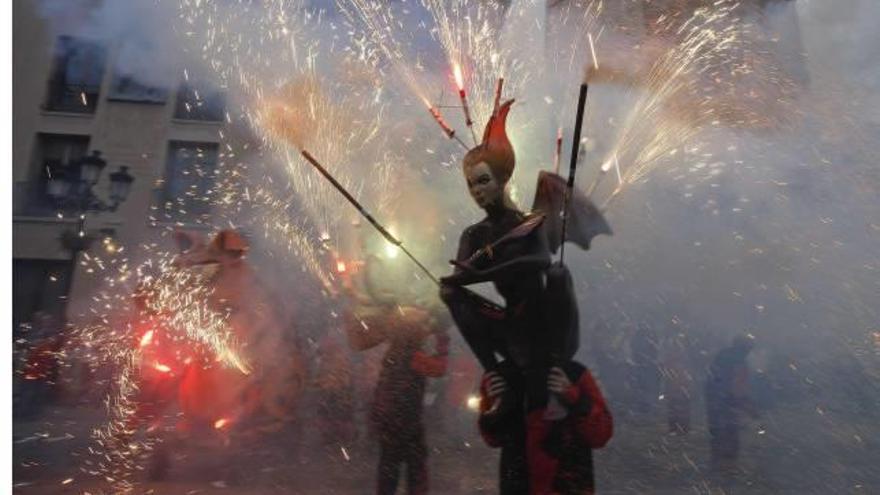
(230, 241)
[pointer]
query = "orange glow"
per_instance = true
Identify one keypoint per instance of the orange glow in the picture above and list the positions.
(220, 423)
(340, 266)
(147, 338)
(459, 79)
(161, 367)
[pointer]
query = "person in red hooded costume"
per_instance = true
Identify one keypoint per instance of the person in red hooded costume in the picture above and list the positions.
(541, 457)
(398, 404)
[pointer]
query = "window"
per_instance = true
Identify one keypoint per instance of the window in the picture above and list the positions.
(129, 88)
(53, 155)
(199, 102)
(189, 179)
(77, 70)
(135, 80)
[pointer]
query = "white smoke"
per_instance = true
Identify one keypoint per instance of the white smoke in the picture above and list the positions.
(140, 35)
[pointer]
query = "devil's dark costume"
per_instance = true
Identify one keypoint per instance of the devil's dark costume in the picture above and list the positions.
(539, 323)
(516, 267)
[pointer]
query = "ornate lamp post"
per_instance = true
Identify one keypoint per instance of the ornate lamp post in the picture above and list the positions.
(71, 192)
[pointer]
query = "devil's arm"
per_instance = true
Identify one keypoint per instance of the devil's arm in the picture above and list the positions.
(537, 258)
(472, 318)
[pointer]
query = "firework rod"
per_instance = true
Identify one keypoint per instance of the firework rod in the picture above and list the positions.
(387, 235)
(572, 168)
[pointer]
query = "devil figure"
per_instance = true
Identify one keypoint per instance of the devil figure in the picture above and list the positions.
(537, 328)
(515, 266)
(535, 334)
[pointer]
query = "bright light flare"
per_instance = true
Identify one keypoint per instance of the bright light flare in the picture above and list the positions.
(593, 51)
(473, 402)
(459, 79)
(340, 266)
(161, 367)
(391, 251)
(147, 338)
(221, 423)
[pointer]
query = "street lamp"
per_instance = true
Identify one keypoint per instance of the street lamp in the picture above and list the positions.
(70, 189)
(90, 168)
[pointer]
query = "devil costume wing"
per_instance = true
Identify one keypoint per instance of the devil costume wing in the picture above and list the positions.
(585, 221)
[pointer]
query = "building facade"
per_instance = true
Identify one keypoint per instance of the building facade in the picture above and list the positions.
(68, 101)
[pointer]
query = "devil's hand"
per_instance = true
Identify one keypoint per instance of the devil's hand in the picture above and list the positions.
(464, 275)
(447, 291)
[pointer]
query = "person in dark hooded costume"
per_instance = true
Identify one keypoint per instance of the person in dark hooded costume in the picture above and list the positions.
(727, 398)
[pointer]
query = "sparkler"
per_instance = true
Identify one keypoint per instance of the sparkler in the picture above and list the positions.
(459, 81)
(557, 155)
(449, 131)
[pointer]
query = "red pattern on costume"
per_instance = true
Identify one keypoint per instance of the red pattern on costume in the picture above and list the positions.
(594, 429)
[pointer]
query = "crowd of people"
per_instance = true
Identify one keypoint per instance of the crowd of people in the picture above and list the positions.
(395, 389)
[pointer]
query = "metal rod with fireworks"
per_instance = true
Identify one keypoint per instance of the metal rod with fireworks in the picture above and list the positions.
(449, 131)
(384, 232)
(459, 81)
(575, 150)
(557, 155)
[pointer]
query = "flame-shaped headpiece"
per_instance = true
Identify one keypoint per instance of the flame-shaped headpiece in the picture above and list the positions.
(495, 150)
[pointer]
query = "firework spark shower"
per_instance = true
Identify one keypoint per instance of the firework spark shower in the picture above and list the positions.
(739, 176)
